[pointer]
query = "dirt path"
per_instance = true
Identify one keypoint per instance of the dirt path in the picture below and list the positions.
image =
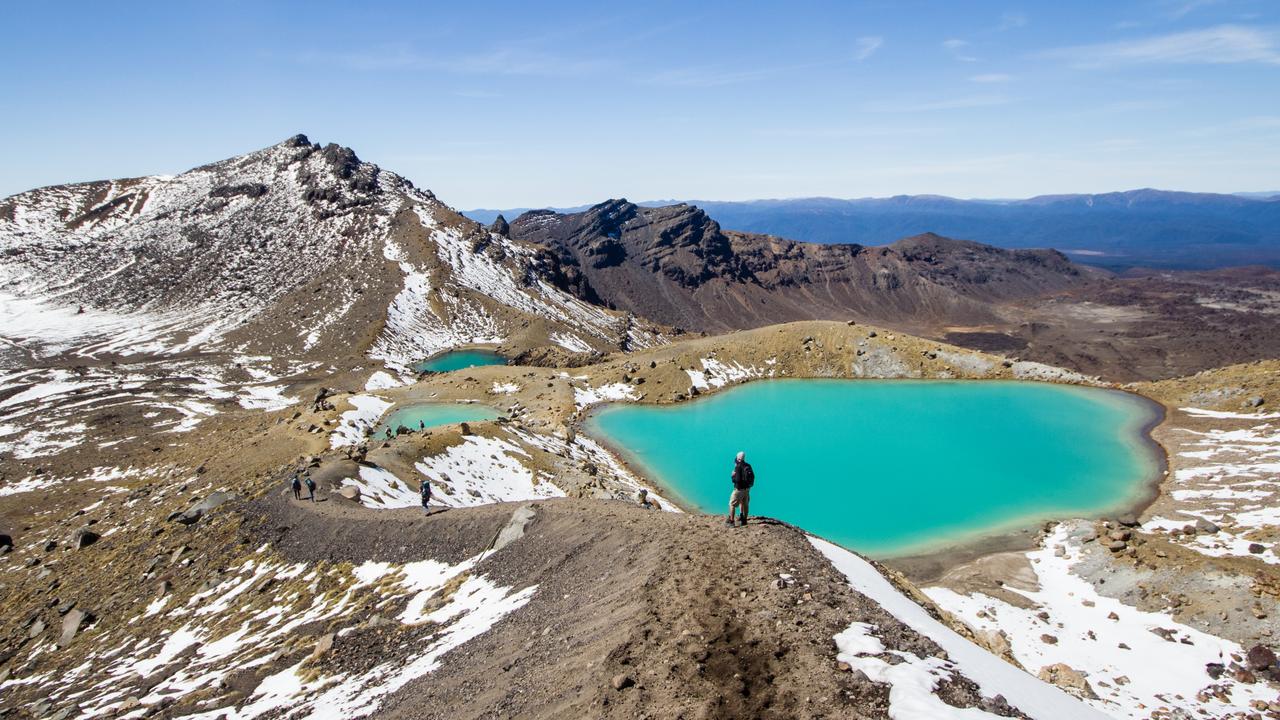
(689, 615)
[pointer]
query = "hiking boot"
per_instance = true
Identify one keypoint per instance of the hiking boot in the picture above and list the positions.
(743, 521)
(729, 522)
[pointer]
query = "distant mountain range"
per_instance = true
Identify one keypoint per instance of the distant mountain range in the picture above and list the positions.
(1121, 230)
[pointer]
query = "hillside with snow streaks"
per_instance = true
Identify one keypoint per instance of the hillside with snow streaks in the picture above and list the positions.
(238, 625)
(1131, 662)
(1232, 480)
(181, 298)
(194, 256)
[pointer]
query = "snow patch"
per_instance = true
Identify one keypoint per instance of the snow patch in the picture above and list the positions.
(483, 470)
(993, 675)
(1153, 673)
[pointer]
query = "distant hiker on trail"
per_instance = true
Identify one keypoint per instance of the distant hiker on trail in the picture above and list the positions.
(389, 435)
(311, 487)
(426, 495)
(297, 487)
(743, 478)
(422, 425)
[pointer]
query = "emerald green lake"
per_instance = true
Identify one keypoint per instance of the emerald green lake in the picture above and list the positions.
(415, 417)
(460, 360)
(898, 466)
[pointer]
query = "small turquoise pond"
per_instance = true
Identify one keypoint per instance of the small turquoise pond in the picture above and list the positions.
(460, 360)
(898, 466)
(415, 417)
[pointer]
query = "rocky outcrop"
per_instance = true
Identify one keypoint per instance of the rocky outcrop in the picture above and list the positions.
(193, 514)
(676, 265)
(500, 226)
(1069, 679)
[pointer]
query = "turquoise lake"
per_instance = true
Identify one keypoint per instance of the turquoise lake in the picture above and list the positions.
(898, 466)
(460, 360)
(434, 414)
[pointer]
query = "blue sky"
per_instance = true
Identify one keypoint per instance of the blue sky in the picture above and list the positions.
(530, 104)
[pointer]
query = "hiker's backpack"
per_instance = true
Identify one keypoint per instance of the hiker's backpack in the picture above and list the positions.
(744, 477)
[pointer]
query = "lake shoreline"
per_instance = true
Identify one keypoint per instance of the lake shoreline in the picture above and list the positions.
(922, 564)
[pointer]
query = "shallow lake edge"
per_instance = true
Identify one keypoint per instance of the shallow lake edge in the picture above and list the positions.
(925, 564)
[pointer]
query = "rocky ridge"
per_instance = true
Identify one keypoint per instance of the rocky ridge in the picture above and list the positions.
(676, 265)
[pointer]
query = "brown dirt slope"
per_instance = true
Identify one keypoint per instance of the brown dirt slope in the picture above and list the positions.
(681, 606)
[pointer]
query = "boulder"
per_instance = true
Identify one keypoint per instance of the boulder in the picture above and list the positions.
(71, 625)
(318, 401)
(1255, 401)
(1260, 657)
(323, 645)
(193, 514)
(1128, 520)
(1257, 548)
(1206, 527)
(1069, 679)
(622, 681)
(350, 492)
(83, 538)
(997, 642)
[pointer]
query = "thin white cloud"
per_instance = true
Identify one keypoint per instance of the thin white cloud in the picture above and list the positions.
(717, 75)
(1011, 21)
(917, 106)
(1267, 124)
(1182, 8)
(711, 76)
(1216, 45)
(991, 78)
(865, 47)
(957, 48)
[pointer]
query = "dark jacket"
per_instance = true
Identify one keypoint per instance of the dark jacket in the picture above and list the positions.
(743, 476)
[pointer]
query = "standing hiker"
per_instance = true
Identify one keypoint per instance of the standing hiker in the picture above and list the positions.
(426, 495)
(311, 488)
(743, 478)
(297, 487)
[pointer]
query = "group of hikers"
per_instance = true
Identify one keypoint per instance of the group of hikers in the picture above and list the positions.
(743, 478)
(391, 434)
(298, 481)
